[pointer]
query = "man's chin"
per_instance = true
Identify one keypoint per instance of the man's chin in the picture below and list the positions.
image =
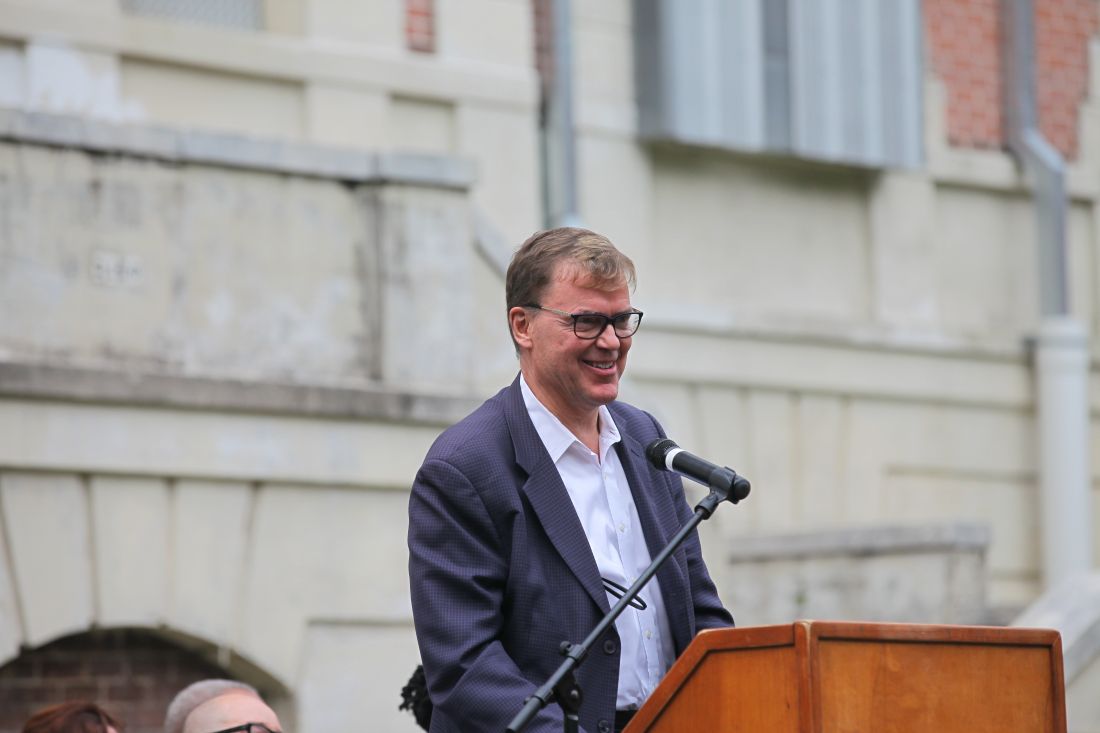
(605, 394)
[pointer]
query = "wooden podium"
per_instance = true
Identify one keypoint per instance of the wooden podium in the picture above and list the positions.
(836, 677)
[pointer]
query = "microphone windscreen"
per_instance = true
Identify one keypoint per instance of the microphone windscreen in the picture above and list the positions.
(658, 450)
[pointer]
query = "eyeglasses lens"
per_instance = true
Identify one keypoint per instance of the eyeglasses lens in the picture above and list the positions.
(591, 326)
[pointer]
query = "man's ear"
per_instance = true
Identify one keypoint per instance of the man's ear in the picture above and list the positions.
(520, 321)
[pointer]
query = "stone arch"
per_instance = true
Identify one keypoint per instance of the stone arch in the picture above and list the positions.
(276, 578)
(132, 672)
(79, 552)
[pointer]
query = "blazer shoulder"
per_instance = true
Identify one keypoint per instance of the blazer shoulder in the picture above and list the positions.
(474, 439)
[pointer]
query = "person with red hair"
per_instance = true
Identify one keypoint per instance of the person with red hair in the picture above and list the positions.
(72, 717)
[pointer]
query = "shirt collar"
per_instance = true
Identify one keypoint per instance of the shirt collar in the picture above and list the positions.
(555, 436)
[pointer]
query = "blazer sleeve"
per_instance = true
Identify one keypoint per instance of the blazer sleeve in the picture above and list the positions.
(458, 570)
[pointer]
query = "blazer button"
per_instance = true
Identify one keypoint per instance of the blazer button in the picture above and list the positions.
(609, 647)
(603, 726)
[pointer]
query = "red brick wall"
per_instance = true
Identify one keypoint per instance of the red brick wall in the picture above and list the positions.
(133, 675)
(963, 42)
(1062, 32)
(420, 25)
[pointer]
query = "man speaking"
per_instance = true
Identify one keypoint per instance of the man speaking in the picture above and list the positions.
(532, 515)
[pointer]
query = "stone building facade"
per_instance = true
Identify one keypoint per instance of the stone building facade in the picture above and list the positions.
(251, 260)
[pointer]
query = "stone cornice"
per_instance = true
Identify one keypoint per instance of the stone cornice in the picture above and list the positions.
(236, 151)
(147, 389)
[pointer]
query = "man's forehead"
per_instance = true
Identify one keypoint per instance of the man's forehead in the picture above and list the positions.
(573, 274)
(234, 707)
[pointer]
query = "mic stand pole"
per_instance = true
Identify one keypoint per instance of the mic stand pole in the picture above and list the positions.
(562, 685)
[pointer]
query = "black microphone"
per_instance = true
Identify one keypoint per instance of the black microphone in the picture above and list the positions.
(665, 455)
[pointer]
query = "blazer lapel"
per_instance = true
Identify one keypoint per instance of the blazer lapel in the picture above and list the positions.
(653, 502)
(549, 499)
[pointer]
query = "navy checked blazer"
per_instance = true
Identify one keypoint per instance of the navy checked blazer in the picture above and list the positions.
(501, 571)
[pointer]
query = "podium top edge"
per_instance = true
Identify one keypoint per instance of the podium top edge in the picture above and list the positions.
(810, 630)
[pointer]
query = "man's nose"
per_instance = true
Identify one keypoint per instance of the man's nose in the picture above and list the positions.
(608, 339)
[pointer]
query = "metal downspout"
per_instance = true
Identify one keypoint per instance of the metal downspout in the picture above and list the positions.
(1061, 349)
(559, 137)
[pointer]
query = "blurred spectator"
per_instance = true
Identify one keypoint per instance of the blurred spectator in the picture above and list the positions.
(209, 706)
(72, 717)
(414, 698)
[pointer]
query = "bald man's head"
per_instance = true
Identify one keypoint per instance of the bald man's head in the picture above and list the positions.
(229, 710)
(195, 694)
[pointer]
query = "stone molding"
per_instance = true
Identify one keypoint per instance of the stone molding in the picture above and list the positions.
(930, 573)
(102, 386)
(272, 55)
(863, 542)
(238, 151)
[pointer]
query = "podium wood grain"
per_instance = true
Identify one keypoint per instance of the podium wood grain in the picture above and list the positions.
(839, 677)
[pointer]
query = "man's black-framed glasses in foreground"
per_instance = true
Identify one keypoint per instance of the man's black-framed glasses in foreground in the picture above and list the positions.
(591, 325)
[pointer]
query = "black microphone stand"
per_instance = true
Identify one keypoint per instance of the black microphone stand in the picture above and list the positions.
(562, 685)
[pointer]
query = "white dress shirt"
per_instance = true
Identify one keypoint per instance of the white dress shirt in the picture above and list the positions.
(600, 493)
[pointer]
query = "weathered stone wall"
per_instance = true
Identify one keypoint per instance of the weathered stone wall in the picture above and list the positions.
(221, 362)
(218, 256)
(912, 574)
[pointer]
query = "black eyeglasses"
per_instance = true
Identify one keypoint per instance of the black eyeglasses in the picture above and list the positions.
(249, 728)
(591, 325)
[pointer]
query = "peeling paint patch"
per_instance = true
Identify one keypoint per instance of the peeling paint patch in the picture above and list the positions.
(62, 79)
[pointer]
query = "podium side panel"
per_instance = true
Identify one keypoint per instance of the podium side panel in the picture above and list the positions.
(905, 687)
(749, 689)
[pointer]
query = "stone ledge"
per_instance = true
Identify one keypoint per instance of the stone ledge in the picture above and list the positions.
(702, 321)
(862, 542)
(236, 151)
(102, 386)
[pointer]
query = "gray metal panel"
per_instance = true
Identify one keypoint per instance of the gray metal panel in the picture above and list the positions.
(777, 74)
(806, 52)
(687, 93)
(836, 80)
(742, 58)
(832, 79)
(241, 14)
(821, 71)
(856, 80)
(710, 71)
(873, 145)
(910, 137)
(852, 134)
(700, 71)
(649, 81)
(892, 109)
